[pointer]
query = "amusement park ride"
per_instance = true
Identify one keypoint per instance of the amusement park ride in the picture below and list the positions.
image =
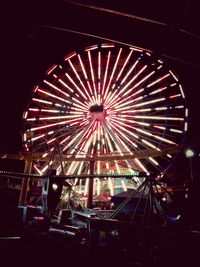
(106, 115)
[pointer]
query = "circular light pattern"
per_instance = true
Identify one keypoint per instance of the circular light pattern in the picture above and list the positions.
(106, 100)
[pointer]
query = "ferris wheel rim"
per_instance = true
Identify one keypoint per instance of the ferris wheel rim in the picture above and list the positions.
(98, 110)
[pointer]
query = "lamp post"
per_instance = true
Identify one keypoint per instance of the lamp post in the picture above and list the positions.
(189, 154)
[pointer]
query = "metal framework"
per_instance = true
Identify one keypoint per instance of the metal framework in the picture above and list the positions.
(146, 209)
(31, 156)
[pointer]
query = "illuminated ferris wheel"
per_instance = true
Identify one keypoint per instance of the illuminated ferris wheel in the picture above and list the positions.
(106, 100)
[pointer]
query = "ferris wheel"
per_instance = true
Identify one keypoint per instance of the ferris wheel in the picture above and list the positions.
(106, 100)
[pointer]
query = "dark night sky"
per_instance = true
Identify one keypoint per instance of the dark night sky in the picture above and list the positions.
(29, 49)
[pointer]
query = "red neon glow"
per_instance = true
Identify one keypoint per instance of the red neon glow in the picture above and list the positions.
(51, 69)
(106, 72)
(69, 56)
(92, 74)
(106, 100)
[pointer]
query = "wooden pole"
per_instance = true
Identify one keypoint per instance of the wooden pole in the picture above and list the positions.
(25, 184)
(90, 186)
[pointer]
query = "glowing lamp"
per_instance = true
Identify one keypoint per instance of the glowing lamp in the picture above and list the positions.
(189, 153)
(54, 187)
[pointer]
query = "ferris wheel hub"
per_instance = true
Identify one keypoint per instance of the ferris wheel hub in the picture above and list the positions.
(97, 111)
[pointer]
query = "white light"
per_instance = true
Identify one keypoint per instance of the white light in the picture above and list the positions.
(158, 80)
(25, 115)
(51, 69)
(189, 153)
(56, 88)
(176, 79)
(181, 88)
(107, 45)
(124, 185)
(69, 56)
(54, 187)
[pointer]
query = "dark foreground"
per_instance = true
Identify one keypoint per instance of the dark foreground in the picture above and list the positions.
(43, 250)
(151, 247)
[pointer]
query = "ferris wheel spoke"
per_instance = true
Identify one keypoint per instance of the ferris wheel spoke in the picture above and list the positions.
(159, 90)
(78, 77)
(125, 137)
(52, 96)
(147, 133)
(42, 101)
(93, 76)
(79, 107)
(143, 80)
(77, 117)
(112, 74)
(77, 138)
(124, 65)
(123, 88)
(105, 74)
(145, 103)
(80, 104)
(66, 85)
(37, 110)
(158, 80)
(150, 144)
(89, 93)
(56, 88)
(121, 101)
(123, 126)
(140, 90)
(115, 100)
(159, 118)
(72, 168)
(99, 77)
(128, 74)
(141, 166)
(131, 81)
(124, 147)
(150, 134)
(75, 85)
(44, 127)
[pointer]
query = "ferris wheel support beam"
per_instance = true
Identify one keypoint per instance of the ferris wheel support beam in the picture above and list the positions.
(90, 186)
(139, 155)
